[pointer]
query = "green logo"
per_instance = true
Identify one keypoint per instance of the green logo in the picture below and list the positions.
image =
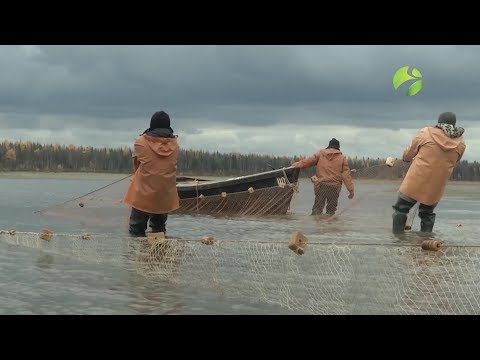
(401, 76)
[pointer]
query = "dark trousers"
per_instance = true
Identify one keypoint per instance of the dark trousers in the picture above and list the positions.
(402, 208)
(139, 221)
(325, 194)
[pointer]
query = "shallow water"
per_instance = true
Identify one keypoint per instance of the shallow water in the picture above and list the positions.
(34, 281)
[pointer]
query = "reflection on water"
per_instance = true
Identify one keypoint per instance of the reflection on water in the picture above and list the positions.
(41, 283)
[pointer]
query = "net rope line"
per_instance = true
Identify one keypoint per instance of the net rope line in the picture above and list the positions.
(266, 201)
(196, 190)
(102, 209)
(260, 202)
(13, 233)
(285, 177)
(273, 200)
(332, 279)
(355, 202)
(82, 196)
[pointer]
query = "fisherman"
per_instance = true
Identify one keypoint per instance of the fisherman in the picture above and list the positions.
(434, 152)
(152, 194)
(331, 172)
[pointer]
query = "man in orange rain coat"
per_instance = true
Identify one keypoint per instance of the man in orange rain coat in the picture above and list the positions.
(331, 172)
(435, 151)
(152, 194)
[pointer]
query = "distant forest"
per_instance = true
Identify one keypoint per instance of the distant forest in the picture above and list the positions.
(30, 156)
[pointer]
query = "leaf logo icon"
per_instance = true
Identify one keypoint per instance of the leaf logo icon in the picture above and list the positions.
(401, 76)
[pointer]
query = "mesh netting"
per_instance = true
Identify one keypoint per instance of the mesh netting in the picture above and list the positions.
(326, 194)
(329, 278)
(261, 202)
(103, 209)
(391, 170)
(326, 279)
(100, 210)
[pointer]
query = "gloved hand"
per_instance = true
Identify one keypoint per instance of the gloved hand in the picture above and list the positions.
(314, 179)
(350, 196)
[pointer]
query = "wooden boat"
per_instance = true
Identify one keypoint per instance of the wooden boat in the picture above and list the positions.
(188, 179)
(266, 193)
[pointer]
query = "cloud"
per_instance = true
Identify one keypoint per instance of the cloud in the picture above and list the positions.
(247, 98)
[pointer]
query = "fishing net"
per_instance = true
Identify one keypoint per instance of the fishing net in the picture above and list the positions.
(102, 210)
(341, 278)
(270, 201)
(329, 205)
(324, 276)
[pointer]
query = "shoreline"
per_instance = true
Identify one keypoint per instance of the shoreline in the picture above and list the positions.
(66, 175)
(117, 176)
(61, 175)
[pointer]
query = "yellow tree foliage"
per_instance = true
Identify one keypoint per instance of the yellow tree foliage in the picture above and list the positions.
(11, 154)
(22, 145)
(125, 150)
(88, 149)
(237, 155)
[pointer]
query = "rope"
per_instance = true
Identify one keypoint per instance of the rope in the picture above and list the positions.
(355, 202)
(295, 186)
(348, 207)
(91, 237)
(79, 197)
(13, 233)
(196, 189)
(286, 177)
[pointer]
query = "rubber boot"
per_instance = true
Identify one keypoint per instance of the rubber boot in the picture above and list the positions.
(138, 223)
(427, 217)
(427, 221)
(399, 221)
(400, 215)
(158, 222)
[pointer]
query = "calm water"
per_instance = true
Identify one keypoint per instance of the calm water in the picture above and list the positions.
(33, 281)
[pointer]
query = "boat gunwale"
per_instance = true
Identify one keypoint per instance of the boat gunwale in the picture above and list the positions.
(184, 186)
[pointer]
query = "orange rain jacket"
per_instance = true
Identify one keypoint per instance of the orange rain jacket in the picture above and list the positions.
(332, 168)
(154, 185)
(434, 155)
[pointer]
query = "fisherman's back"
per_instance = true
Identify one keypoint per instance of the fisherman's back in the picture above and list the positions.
(432, 166)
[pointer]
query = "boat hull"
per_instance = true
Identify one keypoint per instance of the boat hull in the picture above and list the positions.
(267, 193)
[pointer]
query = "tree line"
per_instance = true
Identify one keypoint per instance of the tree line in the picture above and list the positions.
(36, 157)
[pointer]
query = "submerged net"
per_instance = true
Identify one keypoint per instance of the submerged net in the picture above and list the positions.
(99, 210)
(326, 279)
(329, 278)
(102, 209)
(261, 202)
(327, 202)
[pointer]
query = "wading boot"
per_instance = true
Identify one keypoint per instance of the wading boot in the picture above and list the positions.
(399, 220)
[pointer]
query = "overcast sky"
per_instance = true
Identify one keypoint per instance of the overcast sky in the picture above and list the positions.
(278, 100)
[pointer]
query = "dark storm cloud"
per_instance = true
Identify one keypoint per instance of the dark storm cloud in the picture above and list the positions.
(117, 88)
(130, 81)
